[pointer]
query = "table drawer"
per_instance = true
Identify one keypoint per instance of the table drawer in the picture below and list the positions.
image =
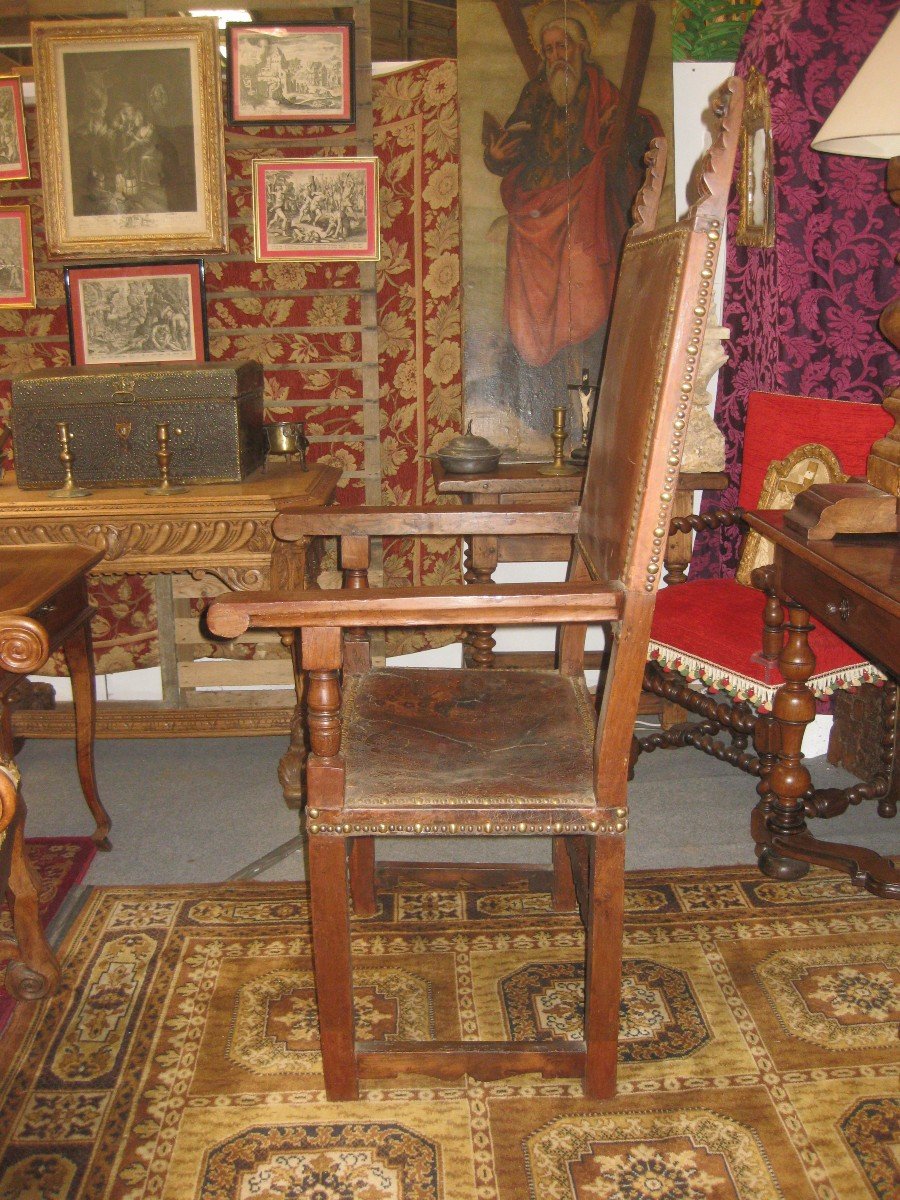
(856, 619)
(61, 611)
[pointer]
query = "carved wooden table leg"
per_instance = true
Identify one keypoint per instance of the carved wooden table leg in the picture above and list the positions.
(79, 653)
(780, 812)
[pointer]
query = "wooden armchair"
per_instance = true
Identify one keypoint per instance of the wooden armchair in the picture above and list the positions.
(413, 753)
(715, 643)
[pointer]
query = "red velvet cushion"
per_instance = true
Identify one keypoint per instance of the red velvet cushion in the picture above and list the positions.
(777, 424)
(719, 623)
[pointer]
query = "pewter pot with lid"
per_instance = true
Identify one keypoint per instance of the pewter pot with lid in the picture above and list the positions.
(469, 454)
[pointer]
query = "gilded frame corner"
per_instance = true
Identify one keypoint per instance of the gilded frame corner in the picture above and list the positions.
(756, 179)
(114, 186)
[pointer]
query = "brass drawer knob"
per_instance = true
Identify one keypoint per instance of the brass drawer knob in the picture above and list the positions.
(839, 608)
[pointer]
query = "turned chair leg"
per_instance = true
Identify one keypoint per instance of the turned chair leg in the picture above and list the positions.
(362, 877)
(79, 659)
(603, 965)
(332, 966)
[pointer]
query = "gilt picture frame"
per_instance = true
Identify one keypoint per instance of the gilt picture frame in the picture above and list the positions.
(291, 74)
(17, 289)
(137, 313)
(130, 130)
(316, 209)
(13, 147)
(756, 177)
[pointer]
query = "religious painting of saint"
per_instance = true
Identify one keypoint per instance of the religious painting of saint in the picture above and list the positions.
(569, 94)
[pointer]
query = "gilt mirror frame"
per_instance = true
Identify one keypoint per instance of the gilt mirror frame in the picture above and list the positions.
(756, 179)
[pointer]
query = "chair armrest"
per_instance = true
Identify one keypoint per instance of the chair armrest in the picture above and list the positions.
(512, 604)
(292, 524)
(716, 518)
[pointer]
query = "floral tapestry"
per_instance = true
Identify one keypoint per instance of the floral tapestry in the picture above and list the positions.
(302, 321)
(803, 314)
(417, 143)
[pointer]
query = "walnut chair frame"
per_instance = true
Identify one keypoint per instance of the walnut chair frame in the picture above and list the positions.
(400, 753)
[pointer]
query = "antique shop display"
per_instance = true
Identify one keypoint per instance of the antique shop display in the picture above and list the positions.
(559, 100)
(130, 134)
(16, 257)
(148, 312)
(213, 413)
(756, 180)
(290, 74)
(13, 148)
(315, 208)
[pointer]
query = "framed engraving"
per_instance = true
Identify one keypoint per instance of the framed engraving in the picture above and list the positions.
(131, 136)
(756, 182)
(315, 208)
(16, 257)
(136, 313)
(13, 149)
(290, 74)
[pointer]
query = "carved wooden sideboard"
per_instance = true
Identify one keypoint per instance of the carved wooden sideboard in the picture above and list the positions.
(220, 534)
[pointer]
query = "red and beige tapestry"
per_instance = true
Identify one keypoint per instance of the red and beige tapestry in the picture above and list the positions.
(419, 321)
(302, 322)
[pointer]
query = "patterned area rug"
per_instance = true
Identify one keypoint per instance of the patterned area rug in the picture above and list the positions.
(759, 1048)
(60, 864)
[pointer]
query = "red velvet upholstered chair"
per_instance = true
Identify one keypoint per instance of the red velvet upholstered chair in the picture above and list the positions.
(711, 651)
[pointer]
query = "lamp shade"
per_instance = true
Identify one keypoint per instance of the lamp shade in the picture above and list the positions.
(866, 120)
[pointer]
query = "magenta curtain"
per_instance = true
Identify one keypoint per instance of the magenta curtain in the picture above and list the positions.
(803, 314)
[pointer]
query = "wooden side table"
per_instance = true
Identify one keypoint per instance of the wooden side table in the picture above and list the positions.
(43, 605)
(217, 532)
(852, 585)
(523, 484)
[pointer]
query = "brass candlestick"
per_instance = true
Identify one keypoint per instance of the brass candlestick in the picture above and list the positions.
(165, 487)
(559, 466)
(69, 489)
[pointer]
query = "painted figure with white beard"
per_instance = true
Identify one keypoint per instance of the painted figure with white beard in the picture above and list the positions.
(568, 205)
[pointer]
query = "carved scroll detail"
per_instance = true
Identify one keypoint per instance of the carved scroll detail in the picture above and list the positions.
(24, 644)
(714, 175)
(646, 203)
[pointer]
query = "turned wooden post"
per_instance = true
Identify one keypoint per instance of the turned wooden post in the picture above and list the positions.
(483, 564)
(355, 563)
(793, 709)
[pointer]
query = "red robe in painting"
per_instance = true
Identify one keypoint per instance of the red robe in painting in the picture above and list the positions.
(568, 212)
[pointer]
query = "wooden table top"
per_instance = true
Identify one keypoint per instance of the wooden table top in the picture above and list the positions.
(526, 477)
(31, 575)
(266, 490)
(868, 563)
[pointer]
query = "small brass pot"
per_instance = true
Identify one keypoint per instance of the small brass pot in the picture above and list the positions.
(286, 439)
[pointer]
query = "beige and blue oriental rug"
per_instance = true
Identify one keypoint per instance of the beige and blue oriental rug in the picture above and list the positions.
(759, 1048)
